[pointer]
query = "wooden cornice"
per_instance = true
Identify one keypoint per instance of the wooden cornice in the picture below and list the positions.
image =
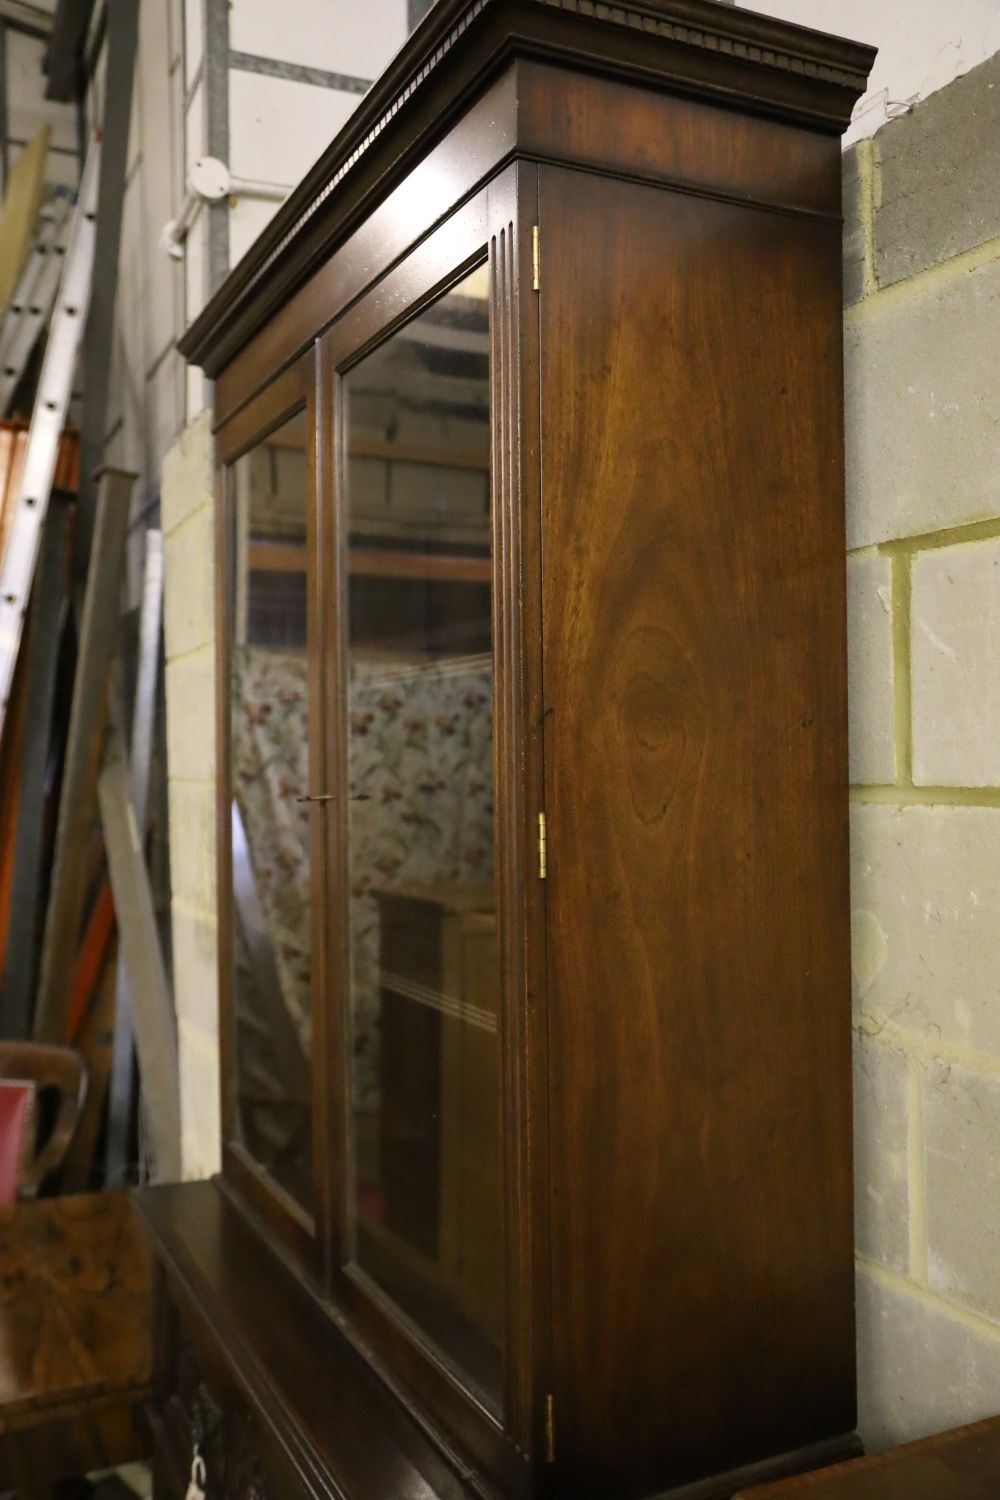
(696, 47)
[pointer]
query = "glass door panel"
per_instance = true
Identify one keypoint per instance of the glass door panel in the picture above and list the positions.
(269, 774)
(424, 1091)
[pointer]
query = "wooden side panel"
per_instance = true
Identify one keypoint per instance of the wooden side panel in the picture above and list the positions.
(696, 792)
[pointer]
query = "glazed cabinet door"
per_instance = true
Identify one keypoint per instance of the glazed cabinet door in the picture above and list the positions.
(433, 676)
(270, 810)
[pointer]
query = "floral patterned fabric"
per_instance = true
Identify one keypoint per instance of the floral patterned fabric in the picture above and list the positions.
(421, 811)
(270, 752)
(421, 784)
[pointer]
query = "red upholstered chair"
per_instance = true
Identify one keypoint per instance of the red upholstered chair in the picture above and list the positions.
(17, 1105)
(36, 1068)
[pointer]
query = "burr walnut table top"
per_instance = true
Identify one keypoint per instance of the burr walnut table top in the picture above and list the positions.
(75, 1336)
(963, 1464)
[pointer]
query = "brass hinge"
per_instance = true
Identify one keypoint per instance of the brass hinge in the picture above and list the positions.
(550, 1430)
(535, 259)
(541, 846)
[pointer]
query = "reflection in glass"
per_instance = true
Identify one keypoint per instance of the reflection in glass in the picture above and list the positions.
(426, 1213)
(269, 737)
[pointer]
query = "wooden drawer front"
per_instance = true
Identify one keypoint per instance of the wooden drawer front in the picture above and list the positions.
(202, 1407)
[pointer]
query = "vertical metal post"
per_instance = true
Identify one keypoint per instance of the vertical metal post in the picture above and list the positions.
(48, 613)
(4, 108)
(216, 73)
(122, 33)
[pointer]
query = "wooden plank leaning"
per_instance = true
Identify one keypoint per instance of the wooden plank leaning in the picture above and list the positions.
(121, 1096)
(17, 988)
(142, 956)
(97, 637)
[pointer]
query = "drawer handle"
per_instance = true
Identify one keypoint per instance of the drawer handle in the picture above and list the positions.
(199, 1477)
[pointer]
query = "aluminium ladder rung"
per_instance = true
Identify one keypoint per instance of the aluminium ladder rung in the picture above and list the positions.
(52, 220)
(28, 310)
(30, 502)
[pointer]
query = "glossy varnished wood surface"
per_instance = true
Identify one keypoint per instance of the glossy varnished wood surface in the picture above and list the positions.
(324, 1423)
(695, 755)
(669, 633)
(963, 1464)
(76, 1347)
(541, 112)
(610, 125)
(486, 227)
(733, 56)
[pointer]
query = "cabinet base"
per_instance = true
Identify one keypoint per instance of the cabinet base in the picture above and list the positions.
(730, 1486)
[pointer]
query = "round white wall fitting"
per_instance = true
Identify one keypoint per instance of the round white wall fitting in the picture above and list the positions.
(210, 179)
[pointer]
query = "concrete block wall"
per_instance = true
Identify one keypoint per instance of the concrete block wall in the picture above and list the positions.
(922, 331)
(187, 513)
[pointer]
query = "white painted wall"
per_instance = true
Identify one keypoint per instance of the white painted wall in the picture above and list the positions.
(923, 44)
(278, 126)
(26, 107)
(338, 35)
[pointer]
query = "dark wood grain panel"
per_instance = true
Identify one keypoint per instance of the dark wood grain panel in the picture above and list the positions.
(666, 481)
(963, 1464)
(324, 1423)
(538, 110)
(610, 125)
(696, 786)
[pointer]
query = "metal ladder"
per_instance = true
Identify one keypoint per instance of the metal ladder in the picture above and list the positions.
(28, 310)
(17, 566)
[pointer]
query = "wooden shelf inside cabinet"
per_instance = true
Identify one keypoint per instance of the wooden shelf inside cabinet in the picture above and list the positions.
(282, 557)
(532, 766)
